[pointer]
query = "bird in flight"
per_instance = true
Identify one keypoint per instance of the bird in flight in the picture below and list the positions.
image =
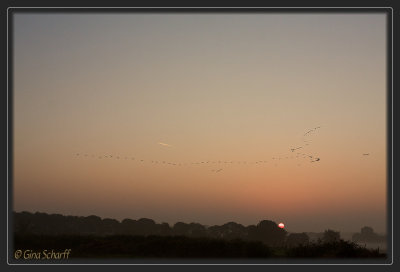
(311, 130)
(293, 149)
(308, 132)
(366, 154)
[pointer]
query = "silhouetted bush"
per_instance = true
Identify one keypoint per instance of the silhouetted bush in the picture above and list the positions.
(368, 235)
(338, 249)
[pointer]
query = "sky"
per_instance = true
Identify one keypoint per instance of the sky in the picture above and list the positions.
(106, 103)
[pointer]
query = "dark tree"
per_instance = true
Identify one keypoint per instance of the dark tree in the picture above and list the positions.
(233, 230)
(368, 235)
(252, 233)
(267, 232)
(145, 226)
(163, 229)
(297, 239)
(367, 231)
(197, 230)
(331, 236)
(181, 228)
(215, 232)
(128, 226)
(110, 226)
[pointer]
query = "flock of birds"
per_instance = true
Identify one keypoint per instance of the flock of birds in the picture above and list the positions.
(292, 155)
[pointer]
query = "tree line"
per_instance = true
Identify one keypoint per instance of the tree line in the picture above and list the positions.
(39, 223)
(92, 236)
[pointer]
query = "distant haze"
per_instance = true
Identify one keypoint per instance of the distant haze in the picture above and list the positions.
(197, 87)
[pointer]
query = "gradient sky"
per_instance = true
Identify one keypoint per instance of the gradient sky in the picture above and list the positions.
(215, 87)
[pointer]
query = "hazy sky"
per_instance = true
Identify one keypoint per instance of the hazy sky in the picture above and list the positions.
(209, 87)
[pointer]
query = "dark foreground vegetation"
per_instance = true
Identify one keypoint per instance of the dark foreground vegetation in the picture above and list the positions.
(93, 237)
(122, 246)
